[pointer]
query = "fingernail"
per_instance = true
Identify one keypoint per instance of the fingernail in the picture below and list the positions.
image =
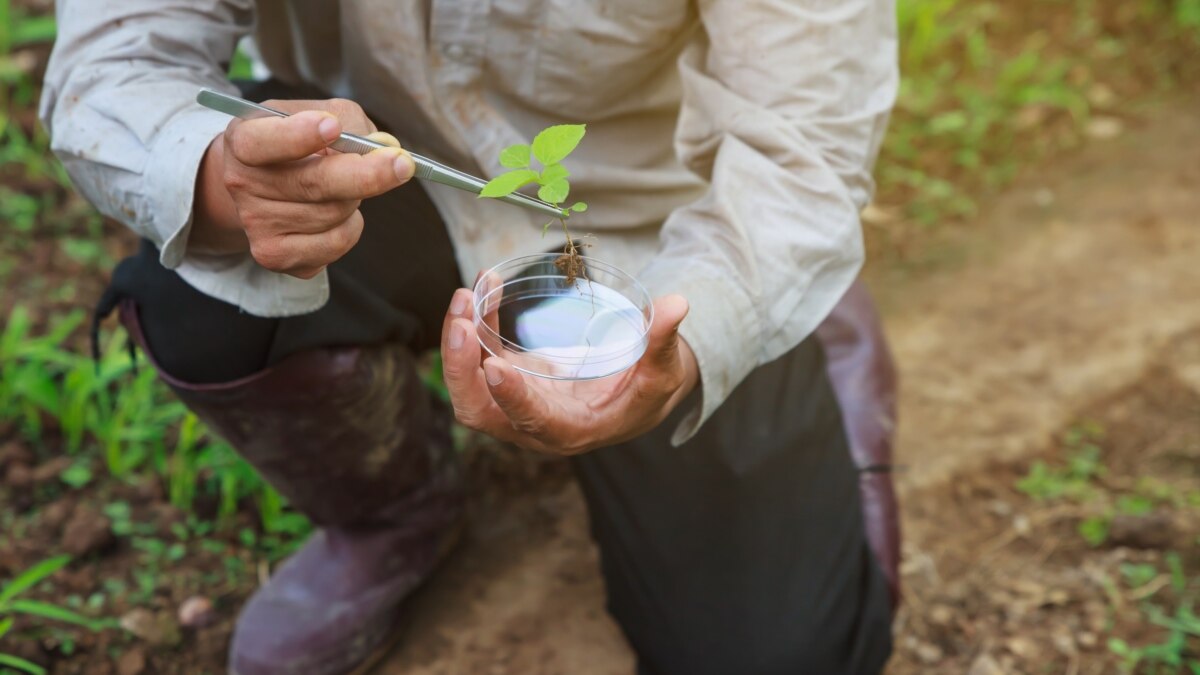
(457, 336)
(458, 304)
(329, 129)
(404, 167)
(493, 373)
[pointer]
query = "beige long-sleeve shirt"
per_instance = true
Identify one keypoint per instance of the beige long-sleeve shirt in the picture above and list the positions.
(729, 145)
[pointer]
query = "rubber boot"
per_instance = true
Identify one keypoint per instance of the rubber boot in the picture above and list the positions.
(349, 436)
(863, 375)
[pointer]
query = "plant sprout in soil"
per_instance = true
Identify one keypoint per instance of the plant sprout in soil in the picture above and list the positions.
(550, 147)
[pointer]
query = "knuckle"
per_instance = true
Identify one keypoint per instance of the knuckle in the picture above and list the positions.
(271, 255)
(467, 418)
(235, 181)
(340, 238)
(350, 113)
(308, 184)
(254, 219)
(347, 237)
(530, 425)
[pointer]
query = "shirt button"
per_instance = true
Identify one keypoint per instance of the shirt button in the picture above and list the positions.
(455, 51)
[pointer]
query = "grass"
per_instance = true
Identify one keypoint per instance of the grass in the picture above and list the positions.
(1165, 594)
(12, 604)
(124, 416)
(988, 88)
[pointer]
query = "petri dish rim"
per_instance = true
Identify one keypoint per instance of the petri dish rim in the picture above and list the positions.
(642, 301)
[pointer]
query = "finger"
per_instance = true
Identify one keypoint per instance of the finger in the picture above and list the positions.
(460, 308)
(343, 176)
(304, 255)
(273, 140)
(354, 120)
(384, 137)
(276, 218)
(526, 410)
(473, 404)
(662, 349)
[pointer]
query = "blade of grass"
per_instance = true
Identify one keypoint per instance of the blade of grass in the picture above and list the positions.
(32, 576)
(21, 664)
(48, 611)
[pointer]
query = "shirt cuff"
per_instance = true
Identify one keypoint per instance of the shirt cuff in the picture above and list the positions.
(170, 178)
(720, 329)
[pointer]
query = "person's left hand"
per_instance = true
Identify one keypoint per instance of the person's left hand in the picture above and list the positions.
(563, 417)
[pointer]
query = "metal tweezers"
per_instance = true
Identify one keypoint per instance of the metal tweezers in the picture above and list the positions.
(427, 169)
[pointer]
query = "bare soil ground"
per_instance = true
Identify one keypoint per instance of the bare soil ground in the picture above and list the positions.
(1074, 299)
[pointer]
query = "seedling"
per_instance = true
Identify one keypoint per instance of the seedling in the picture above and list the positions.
(550, 147)
(11, 604)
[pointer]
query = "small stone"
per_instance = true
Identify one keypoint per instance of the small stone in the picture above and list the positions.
(1101, 95)
(1086, 639)
(1150, 531)
(156, 629)
(132, 662)
(48, 471)
(15, 452)
(1064, 643)
(941, 615)
(1021, 525)
(1058, 597)
(196, 612)
(1104, 128)
(1000, 508)
(87, 531)
(929, 653)
(984, 664)
(1023, 647)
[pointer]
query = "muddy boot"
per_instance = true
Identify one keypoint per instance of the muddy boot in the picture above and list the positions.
(864, 380)
(351, 438)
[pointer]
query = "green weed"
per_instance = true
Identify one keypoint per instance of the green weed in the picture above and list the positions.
(127, 417)
(12, 604)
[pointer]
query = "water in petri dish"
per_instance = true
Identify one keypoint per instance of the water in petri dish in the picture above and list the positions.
(584, 330)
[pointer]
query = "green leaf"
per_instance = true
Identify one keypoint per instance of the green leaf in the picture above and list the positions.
(21, 664)
(34, 29)
(554, 143)
(77, 475)
(579, 207)
(1094, 530)
(5, 625)
(48, 611)
(555, 192)
(552, 173)
(508, 183)
(32, 576)
(515, 156)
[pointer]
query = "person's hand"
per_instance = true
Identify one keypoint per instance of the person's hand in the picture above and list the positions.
(271, 186)
(563, 417)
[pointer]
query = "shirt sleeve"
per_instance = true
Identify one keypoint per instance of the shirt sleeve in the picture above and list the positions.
(119, 102)
(785, 105)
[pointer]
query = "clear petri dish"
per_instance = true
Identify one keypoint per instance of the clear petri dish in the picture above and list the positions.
(595, 326)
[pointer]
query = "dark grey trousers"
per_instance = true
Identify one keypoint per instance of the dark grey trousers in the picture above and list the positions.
(740, 553)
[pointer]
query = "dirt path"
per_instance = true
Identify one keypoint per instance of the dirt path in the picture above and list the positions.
(1050, 308)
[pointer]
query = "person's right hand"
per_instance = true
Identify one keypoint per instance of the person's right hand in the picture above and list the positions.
(272, 187)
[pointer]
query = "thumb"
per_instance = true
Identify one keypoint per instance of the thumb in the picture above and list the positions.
(662, 350)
